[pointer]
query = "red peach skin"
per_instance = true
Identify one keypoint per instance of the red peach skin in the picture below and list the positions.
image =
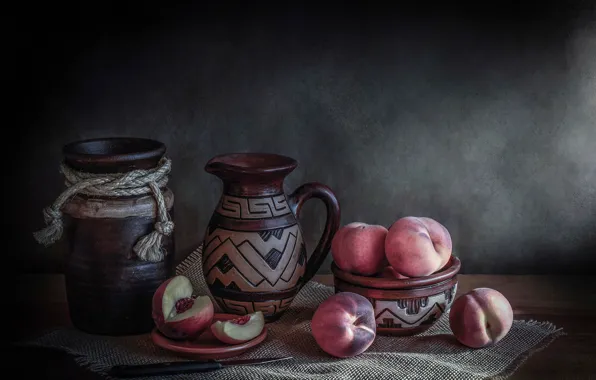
(359, 248)
(441, 239)
(481, 317)
(417, 246)
(344, 325)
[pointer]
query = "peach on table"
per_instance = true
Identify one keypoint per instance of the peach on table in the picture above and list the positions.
(481, 317)
(344, 325)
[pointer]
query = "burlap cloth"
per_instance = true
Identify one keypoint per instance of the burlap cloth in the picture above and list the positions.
(434, 354)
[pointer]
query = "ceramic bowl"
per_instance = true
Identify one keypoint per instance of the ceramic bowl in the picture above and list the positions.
(404, 306)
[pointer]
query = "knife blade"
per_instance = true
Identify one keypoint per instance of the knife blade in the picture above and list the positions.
(179, 367)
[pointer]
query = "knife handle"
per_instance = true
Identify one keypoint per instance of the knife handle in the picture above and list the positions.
(168, 368)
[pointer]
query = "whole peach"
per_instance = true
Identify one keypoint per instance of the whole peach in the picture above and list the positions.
(417, 246)
(344, 325)
(481, 317)
(359, 248)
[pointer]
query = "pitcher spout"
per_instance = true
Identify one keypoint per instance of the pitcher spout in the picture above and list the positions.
(215, 166)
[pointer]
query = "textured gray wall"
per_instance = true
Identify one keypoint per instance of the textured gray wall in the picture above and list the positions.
(488, 128)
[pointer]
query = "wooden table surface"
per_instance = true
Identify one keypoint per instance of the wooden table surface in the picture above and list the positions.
(567, 301)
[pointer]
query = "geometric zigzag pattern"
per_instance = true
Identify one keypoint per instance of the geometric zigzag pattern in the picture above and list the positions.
(271, 260)
(412, 312)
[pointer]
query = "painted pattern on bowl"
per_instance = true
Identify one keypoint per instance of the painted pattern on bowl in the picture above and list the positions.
(404, 306)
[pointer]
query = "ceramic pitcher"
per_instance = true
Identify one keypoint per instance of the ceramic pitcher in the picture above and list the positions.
(254, 256)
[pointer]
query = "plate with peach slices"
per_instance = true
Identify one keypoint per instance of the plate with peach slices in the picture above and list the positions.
(187, 324)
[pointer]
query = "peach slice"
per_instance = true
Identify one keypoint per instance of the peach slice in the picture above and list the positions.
(177, 313)
(238, 330)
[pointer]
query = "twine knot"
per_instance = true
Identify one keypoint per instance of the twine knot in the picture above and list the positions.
(165, 228)
(136, 182)
(53, 231)
(51, 215)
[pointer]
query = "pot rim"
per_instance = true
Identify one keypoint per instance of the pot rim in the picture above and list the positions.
(113, 154)
(140, 148)
(449, 271)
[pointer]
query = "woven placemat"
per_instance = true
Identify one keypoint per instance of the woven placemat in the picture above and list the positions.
(434, 354)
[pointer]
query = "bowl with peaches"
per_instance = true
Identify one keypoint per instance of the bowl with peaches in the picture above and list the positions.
(407, 271)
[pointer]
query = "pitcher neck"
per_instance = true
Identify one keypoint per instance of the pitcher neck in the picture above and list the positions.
(254, 189)
(251, 174)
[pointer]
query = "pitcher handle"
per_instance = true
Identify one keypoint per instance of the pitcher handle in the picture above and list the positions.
(296, 201)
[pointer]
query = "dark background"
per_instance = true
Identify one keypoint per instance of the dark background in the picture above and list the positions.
(482, 117)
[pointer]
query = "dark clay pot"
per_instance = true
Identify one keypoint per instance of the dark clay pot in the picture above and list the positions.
(109, 289)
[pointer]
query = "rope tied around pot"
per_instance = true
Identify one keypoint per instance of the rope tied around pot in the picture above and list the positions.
(136, 182)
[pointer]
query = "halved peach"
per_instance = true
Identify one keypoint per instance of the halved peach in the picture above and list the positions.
(177, 313)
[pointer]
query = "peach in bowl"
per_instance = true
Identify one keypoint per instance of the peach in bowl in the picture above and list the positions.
(403, 306)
